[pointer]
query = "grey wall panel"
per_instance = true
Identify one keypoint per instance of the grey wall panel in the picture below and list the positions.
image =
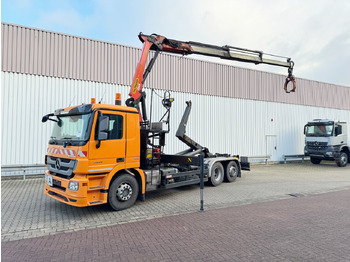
(223, 124)
(45, 53)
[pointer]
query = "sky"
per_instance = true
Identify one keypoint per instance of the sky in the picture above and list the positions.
(314, 33)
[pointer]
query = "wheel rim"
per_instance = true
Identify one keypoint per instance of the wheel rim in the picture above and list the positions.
(343, 159)
(232, 171)
(217, 174)
(124, 192)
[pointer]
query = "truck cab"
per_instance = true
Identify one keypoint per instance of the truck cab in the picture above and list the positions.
(88, 143)
(327, 140)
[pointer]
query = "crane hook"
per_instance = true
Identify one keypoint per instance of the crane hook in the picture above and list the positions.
(290, 78)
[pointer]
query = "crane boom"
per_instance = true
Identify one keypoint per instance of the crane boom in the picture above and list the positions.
(162, 44)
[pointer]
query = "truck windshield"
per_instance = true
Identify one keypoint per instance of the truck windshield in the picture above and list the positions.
(71, 127)
(319, 130)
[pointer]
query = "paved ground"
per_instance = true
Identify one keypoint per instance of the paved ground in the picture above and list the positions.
(318, 225)
(314, 228)
(27, 212)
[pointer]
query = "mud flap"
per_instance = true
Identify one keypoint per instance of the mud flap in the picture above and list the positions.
(245, 165)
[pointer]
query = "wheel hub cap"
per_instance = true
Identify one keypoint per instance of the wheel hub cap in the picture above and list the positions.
(217, 174)
(124, 192)
(232, 171)
(343, 160)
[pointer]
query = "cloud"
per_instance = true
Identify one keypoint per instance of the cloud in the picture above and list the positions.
(67, 21)
(314, 33)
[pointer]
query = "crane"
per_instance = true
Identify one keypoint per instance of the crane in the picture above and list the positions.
(160, 43)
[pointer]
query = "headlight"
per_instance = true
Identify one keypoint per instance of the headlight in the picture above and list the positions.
(74, 186)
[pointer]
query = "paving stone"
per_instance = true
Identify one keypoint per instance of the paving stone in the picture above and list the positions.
(308, 226)
(27, 212)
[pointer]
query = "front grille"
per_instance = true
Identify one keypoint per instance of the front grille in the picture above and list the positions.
(61, 166)
(316, 146)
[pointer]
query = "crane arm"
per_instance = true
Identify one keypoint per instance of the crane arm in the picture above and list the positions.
(162, 44)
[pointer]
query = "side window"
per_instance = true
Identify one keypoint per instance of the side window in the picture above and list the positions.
(115, 127)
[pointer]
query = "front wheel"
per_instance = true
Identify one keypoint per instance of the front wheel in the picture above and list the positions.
(315, 161)
(123, 192)
(343, 159)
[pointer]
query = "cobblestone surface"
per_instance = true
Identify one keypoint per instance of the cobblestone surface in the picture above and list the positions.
(27, 212)
(312, 228)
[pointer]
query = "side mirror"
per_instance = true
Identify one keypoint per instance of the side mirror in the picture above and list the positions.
(338, 130)
(102, 130)
(46, 117)
(305, 127)
(103, 123)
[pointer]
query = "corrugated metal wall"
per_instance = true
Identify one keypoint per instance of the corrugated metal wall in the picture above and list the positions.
(39, 52)
(235, 110)
(222, 124)
(45, 53)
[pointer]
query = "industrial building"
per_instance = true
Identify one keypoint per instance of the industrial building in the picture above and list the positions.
(235, 110)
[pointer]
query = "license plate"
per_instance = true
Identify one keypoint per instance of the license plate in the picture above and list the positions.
(56, 182)
(49, 180)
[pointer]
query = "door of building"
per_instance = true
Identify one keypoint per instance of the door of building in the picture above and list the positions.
(271, 147)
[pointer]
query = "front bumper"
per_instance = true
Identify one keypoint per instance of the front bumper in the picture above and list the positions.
(83, 197)
(330, 153)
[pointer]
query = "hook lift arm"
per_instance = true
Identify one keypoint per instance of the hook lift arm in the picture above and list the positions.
(162, 44)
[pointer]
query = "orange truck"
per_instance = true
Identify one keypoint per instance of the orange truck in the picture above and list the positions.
(109, 153)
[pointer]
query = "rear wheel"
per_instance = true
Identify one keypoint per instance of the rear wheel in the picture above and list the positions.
(343, 159)
(123, 192)
(216, 174)
(231, 171)
(315, 161)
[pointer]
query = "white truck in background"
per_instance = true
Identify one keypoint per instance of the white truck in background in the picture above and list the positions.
(327, 140)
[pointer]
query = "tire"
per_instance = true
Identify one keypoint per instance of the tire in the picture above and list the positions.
(231, 171)
(123, 192)
(343, 159)
(315, 161)
(216, 174)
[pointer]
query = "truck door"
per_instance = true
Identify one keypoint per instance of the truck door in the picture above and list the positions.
(112, 150)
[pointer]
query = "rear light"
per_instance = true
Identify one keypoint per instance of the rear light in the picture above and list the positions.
(156, 152)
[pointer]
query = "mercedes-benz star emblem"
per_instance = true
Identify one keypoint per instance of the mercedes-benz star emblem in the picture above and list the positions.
(58, 164)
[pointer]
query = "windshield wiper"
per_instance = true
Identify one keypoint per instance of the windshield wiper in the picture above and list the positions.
(67, 143)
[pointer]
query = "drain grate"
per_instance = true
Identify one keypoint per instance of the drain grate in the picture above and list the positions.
(296, 195)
